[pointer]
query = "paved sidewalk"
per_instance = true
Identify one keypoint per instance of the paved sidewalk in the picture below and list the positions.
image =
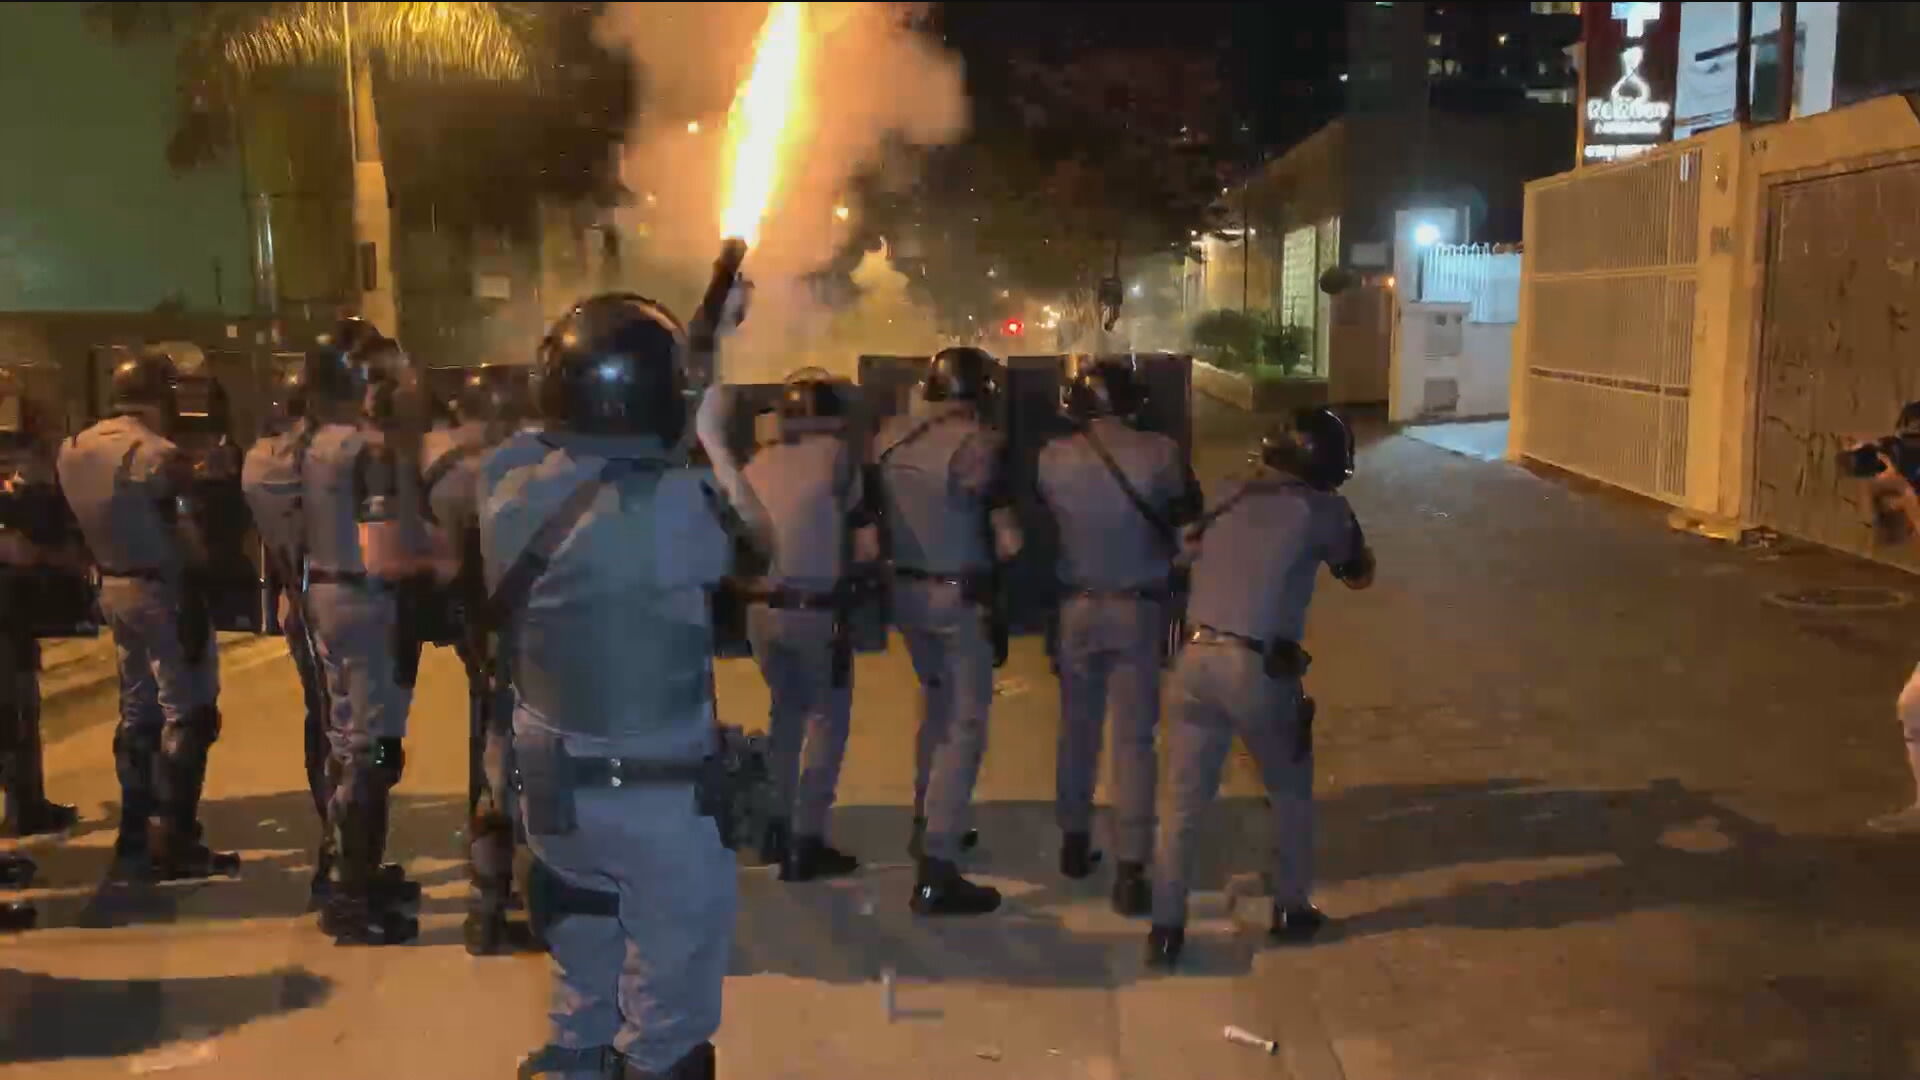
(1590, 810)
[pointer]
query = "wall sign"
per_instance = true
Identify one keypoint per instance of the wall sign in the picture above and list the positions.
(1631, 52)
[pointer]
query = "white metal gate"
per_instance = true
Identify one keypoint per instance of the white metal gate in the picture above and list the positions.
(1609, 277)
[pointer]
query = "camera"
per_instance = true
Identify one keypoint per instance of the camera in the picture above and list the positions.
(1863, 462)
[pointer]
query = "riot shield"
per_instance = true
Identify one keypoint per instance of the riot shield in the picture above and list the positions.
(887, 383)
(1029, 415)
(232, 583)
(1168, 379)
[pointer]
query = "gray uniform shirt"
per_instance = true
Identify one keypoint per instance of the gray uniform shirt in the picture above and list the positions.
(119, 477)
(1105, 542)
(270, 478)
(808, 486)
(612, 645)
(333, 496)
(450, 460)
(1258, 561)
(935, 486)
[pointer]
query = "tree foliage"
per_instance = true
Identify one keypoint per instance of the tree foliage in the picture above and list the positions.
(483, 105)
(1108, 154)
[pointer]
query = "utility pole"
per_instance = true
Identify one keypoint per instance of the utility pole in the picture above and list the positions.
(1789, 47)
(1743, 65)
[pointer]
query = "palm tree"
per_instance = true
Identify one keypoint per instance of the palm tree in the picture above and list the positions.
(226, 47)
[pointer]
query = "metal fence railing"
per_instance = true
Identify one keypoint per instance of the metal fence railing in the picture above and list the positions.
(1478, 275)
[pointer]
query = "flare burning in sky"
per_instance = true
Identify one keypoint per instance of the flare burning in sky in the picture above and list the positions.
(861, 78)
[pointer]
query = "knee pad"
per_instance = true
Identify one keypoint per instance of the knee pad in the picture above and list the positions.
(389, 762)
(550, 898)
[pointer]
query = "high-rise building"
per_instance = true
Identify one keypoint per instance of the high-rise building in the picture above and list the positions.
(1460, 56)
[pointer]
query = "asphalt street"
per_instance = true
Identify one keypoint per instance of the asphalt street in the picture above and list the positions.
(1590, 805)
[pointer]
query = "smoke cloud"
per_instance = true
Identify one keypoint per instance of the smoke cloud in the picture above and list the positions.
(870, 80)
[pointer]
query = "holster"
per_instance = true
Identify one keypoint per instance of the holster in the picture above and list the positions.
(1286, 660)
(408, 601)
(545, 772)
(1303, 739)
(842, 663)
(713, 795)
(196, 619)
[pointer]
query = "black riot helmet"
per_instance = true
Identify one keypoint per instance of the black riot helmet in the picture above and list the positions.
(1316, 446)
(350, 333)
(494, 394)
(1108, 386)
(960, 373)
(614, 366)
(811, 394)
(144, 381)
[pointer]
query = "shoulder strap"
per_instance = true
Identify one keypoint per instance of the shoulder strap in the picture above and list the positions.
(1246, 488)
(914, 435)
(1154, 518)
(533, 560)
(444, 464)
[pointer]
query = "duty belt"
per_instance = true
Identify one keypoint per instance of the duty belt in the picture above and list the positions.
(962, 579)
(1207, 635)
(356, 578)
(784, 599)
(1154, 593)
(145, 573)
(613, 772)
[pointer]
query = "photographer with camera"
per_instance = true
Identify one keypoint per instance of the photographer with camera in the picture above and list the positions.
(1891, 468)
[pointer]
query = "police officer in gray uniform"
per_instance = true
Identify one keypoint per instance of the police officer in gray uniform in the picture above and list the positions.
(491, 405)
(357, 550)
(1118, 496)
(127, 484)
(1258, 552)
(270, 477)
(810, 485)
(600, 549)
(945, 519)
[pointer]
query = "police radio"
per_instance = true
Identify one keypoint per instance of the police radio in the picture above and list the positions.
(231, 584)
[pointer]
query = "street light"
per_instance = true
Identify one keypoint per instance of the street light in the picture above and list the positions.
(1426, 234)
(841, 212)
(693, 127)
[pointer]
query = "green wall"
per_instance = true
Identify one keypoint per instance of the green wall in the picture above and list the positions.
(91, 216)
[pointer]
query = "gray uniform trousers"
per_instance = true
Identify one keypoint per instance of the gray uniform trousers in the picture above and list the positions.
(353, 628)
(647, 982)
(1219, 692)
(947, 640)
(159, 689)
(1108, 650)
(808, 718)
(313, 691)
(491, 809)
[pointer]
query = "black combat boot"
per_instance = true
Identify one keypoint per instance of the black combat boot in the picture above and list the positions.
(916, 843)
(352, 920)
(38, 818)
(1163, 947)
(1132, 896)
(178, 854)
(16, 916)
(940, 890)
(775, 843)
(699, 1063)
(1077, 857)
(16, 871)
(811, 858)
(1295, 925)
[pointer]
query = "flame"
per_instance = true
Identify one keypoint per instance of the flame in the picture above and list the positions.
(758, 122)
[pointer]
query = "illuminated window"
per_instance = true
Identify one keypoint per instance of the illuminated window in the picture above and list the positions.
(1500, 39)
(1433, 40)
(1433, 65)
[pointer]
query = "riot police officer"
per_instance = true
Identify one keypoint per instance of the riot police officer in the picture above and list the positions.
(600, 549)
(491, 404)
(797, 623)
(37, 533)
(360, 544)
(1239, 671)
(271, 478)
(946, 519)
(128, 485)
(1118, 496)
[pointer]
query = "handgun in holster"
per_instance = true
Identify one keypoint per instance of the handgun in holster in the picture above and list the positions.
(1303, 738)
(1286, 660)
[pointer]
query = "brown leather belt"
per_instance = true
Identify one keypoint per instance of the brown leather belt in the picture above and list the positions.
(795, 599)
